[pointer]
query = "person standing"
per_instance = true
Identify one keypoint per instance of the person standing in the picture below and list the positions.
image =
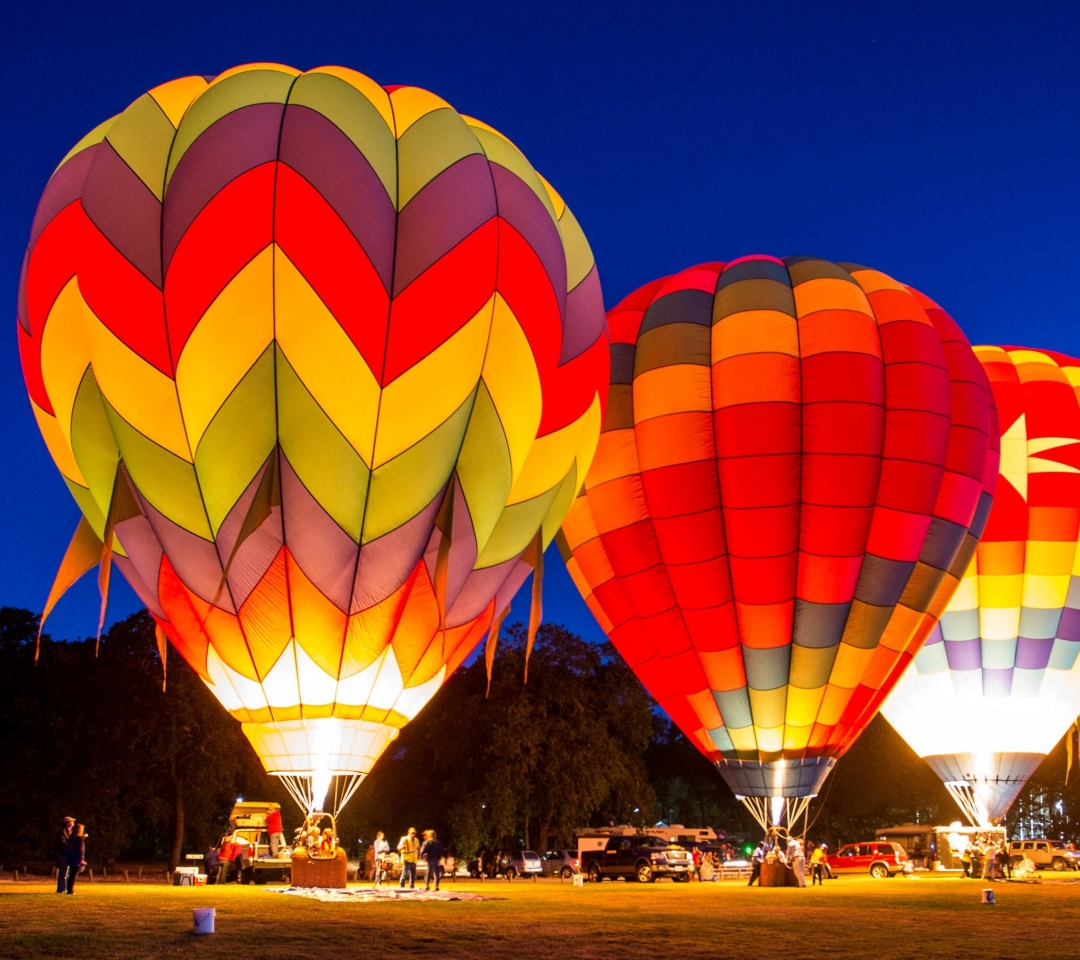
(965, 860)
(60, 852)
(695, 854)
(817, 865)
(1004, 861)
(380, 852)
(797, 859)
(275, 830)
(432, 852)
(755, 864)
(74, 856)
(409, 848)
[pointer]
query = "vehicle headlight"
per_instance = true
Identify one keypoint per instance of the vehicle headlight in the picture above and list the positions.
(657, 856)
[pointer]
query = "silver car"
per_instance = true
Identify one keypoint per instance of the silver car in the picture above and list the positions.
(560, 863)
(524, 863)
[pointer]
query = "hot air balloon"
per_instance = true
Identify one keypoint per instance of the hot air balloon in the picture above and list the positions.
(793, 455)
(997, 684)
(323, 364)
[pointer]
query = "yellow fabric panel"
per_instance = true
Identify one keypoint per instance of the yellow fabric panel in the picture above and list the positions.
(743, 739)
(426, 394)
(233, 333)
(1001, 591)
(803, 705)
(556, 513)
(483, 467)
(769, 739)
(94, 136)
(755, 331)
(966, 596)
(324, 358)
(177, 95)
(137, 390)
(515, 529)
(65, 353)
(829, 293)
(999, 623)
(833, 703)
(513, 383)
(549, 460)
(410, 104)
(247, 67)
(1072, 374)
(849, 666)
(579, 527)
(58, 445)
(1045, 592)
(616, 456)
(1036, 371)
(1049, 557)
(797, 738)
(1030, 356)
(556, 199)
(682, 386)
(379, 98)
(900, 629)
(590, 438)
(1076, 563)
(873, 280)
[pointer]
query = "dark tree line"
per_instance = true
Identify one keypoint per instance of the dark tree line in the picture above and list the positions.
(153, 774)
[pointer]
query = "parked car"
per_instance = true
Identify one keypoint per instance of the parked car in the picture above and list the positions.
(640, 858)
(560, 863)
(879, 859)
(524, 863)
(1052, 854)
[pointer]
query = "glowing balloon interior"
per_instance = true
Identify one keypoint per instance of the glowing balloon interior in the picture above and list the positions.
(795, 455)
(997, 683)
(323, 364)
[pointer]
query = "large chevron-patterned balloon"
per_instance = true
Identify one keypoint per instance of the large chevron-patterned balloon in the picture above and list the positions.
(325, 363)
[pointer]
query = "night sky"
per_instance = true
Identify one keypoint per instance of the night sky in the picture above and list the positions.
(937, 142)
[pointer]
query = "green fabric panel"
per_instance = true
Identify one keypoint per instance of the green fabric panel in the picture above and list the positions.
(484, 467)
(239, 90)
(579, 255)
(428, 147)
(506, 155)
(516, 528)
(143, 136)
(95, 136)
(89, 507)
(356, 117)
(333, 472)
(238, 440)
(768, 706)
(402, 488)
(166, 481)
(812, 269)
(811, 666)
(92, 441)
(564, 496)
(757, 294)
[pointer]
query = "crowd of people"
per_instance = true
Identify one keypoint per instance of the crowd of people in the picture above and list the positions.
(411, 850)
(791, 852)
(985, 859)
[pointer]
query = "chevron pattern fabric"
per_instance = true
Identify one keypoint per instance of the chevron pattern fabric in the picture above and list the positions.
(333, 339)
(794, 456)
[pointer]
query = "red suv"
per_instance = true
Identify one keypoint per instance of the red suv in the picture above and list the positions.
(879, 859)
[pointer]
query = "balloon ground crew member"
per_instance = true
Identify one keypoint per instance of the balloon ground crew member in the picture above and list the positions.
(817, 865)
(433, 852)
(755, 864)
(409, 848)
(275, 831)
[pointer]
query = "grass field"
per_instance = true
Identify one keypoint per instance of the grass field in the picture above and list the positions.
(849, 917)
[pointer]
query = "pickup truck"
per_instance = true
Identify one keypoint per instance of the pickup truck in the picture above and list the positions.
(640, 858)
(1052, 854)
(247, 826)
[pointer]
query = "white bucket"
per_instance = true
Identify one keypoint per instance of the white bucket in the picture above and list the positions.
(988, 896)
(579, 880)
(204, 919)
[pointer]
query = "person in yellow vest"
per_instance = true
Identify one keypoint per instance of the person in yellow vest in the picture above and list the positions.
(817, 865)
(409, 848)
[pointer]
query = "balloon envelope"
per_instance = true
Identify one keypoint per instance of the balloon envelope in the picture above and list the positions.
(794, 455)
(997, 684)
(334, 340)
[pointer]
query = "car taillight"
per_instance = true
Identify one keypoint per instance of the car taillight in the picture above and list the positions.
(576, 862)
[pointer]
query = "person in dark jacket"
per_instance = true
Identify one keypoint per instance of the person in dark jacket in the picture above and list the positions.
(74, 856)
(432, 853)
(60, 852)
(755, 864)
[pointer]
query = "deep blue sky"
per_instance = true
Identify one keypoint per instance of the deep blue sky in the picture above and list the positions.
(937, 142)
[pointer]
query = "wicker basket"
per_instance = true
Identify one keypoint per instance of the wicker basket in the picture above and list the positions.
(316, 872)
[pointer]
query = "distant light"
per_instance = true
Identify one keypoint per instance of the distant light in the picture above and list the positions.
(637, 809)
(483, 806)
(239, 799)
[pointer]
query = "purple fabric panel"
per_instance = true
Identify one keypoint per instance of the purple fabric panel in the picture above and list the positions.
(21, 309)
(964, 654)
(195, 560)
(144, 593)
(257, 552)
(997, 684)
(1069, 628)
(522, 209)
(479, 590)
(510, 586)
(236, 143)
(316, 149)
(143, 560)
(1033, 654)
(935, 635)
(449, 208)
(63, 188)
(325, 552)
(584, 317)
(125, 210)
(462, 549)
(386, 563)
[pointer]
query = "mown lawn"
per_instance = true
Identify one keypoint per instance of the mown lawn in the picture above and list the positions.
(849, 917)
